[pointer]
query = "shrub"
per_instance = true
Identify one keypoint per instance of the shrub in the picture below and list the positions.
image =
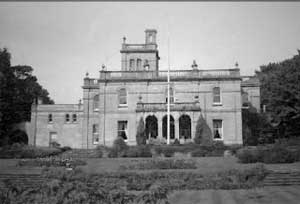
(199, 153)
(203, 133)
(27, 151)
(176, 142)
(267, 154)
(163, 164)
(65, 148)
(140, 133)
(99, 151)
(118, 149)
(157, 141)
(52, 161)
(138, 151)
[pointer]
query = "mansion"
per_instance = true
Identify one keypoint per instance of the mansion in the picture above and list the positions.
(115, 102)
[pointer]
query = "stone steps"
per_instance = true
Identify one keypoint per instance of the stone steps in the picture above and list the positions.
(282, 179)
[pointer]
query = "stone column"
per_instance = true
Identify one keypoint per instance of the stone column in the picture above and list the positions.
(176, 128)
(159, 121)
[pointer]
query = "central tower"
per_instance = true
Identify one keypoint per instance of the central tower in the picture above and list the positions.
(141, 57)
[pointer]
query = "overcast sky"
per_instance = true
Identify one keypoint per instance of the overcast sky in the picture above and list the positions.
(62, 41)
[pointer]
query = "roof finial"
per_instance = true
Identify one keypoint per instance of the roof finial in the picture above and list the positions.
(236, 65)
(194, 65)
(103, 67)
(124, 40)
(87, 74)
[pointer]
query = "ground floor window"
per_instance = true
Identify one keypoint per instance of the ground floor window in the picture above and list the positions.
(122, 129)
(218, 129)
(53, 140)
(95, 133)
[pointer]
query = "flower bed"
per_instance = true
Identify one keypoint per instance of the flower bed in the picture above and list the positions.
(162, 164)
(52, 161)
(171, 180)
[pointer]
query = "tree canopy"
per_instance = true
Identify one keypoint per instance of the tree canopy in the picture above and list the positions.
(280, 93)
(18, 90)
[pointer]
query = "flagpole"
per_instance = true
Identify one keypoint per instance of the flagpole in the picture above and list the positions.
(168, 105)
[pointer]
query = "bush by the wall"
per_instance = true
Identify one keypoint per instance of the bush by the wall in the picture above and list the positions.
(138, 151)
(118, 149)
(140, 133)
(203, 133)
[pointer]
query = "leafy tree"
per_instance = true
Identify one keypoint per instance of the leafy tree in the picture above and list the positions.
(203, 133)
(280, 92)
(7, 79)
(18, 90)
(27, 89)
(254, 127)
(140, 133)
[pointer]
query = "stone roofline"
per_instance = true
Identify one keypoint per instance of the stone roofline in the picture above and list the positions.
(58, 107)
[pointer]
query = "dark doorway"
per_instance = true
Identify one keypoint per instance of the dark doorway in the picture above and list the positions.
(172, 127)
(185, 127)
(151, 127)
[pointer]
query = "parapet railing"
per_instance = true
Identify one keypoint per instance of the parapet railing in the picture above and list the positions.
(153, 107)
(111, 75)
(138, 46)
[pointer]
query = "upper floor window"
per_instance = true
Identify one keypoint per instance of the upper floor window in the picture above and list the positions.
(50, 118)
(171, 95)
(96, 103)
(74, 118)
(95, 133)
(218, 129)
(122, 97)
(216, 95)
(138, 64)
(146, 65)
(131, 64)
(67, 118)
(150, 38)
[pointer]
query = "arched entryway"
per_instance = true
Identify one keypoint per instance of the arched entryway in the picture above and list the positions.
(151, 127)
(165, 125)
(185, 127)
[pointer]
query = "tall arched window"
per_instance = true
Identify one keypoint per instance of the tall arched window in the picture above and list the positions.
(96, 103)
(131, 64)
(138, 64)
(122, 97)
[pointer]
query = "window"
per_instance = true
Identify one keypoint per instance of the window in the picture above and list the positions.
(171, 95)
(138, 64)
(218, 129)
(122, 129)
(67, 118)
(122, 97)
(96, 103)
(74, 118)
(95, 133)
(150, 38)
(131, 64)
(146, 65)
(216, 95)
(53, 140)
(50, 119)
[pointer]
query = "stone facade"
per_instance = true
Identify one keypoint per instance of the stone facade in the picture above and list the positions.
(114, 103)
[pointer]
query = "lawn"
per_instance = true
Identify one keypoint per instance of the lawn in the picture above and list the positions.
(267, 195)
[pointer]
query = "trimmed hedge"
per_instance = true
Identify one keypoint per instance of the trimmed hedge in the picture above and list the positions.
(268, 154)
(162, 164)
(52, 161)
(18, 151)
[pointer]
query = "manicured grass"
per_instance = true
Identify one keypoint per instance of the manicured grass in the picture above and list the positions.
(268, 195)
